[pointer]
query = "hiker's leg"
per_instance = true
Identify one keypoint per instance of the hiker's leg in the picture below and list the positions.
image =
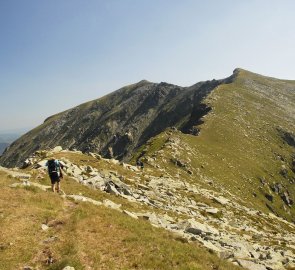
(52, 187)
(57, 186)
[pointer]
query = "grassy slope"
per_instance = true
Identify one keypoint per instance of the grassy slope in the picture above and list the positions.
(87, 236)
(239, 143)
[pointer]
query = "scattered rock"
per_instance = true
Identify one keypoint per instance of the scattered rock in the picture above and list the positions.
(284, 171)
(277, 188)
(130, 167)
(263, 181)
(28, 268)
(41, 164)
(130, 214)
(50, 239)
(286, 198)
(44, 227)
(83, 199)
(221, 200)
(57, 149)
(16, 174)
(111, 188)
(212, 210)
(95, 155)
(251, 265)
(28, 184)
(114, 161)
(194, 227)
(144, 187)
(110, 204)
(269, 197)
(179, 163)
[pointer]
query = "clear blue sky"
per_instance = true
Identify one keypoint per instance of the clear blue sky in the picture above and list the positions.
(55, 54)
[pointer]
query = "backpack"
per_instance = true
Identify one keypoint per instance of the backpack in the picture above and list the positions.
(52, 166)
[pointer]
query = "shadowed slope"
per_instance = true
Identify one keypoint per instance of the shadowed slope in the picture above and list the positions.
(116, 124)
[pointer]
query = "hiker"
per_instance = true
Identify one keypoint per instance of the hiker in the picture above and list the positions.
(55, 173)
(139, 164)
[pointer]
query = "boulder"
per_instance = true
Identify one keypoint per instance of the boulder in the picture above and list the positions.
(41, 164)
(213, 247)
(269, 197)
(212, 210)
(277, 188)
(28, 162)
(130, 167)
(155, 220)
(57, 149)
(286, 198)
(221, 200)
(114, 161)
(195, 227)
(111, 187)
(95, 155)
(251, 265)
(110, 204)
(44, 227)
(97, 181)
(84, 199)
(144, 187)
(130, 214)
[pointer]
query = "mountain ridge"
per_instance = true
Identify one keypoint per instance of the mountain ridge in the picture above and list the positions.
(134, 103)
(217, 167)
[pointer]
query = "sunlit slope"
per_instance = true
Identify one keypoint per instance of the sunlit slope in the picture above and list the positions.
(245, 143)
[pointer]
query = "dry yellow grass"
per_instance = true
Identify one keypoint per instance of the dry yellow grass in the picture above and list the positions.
(86, 236)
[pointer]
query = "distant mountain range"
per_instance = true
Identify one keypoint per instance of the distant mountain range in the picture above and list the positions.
(2, 147)
(6, 139)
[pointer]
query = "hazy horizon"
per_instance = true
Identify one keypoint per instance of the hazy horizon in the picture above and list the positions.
(58, 54)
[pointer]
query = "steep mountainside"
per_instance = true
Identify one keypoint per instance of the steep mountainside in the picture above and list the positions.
(118, 123)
